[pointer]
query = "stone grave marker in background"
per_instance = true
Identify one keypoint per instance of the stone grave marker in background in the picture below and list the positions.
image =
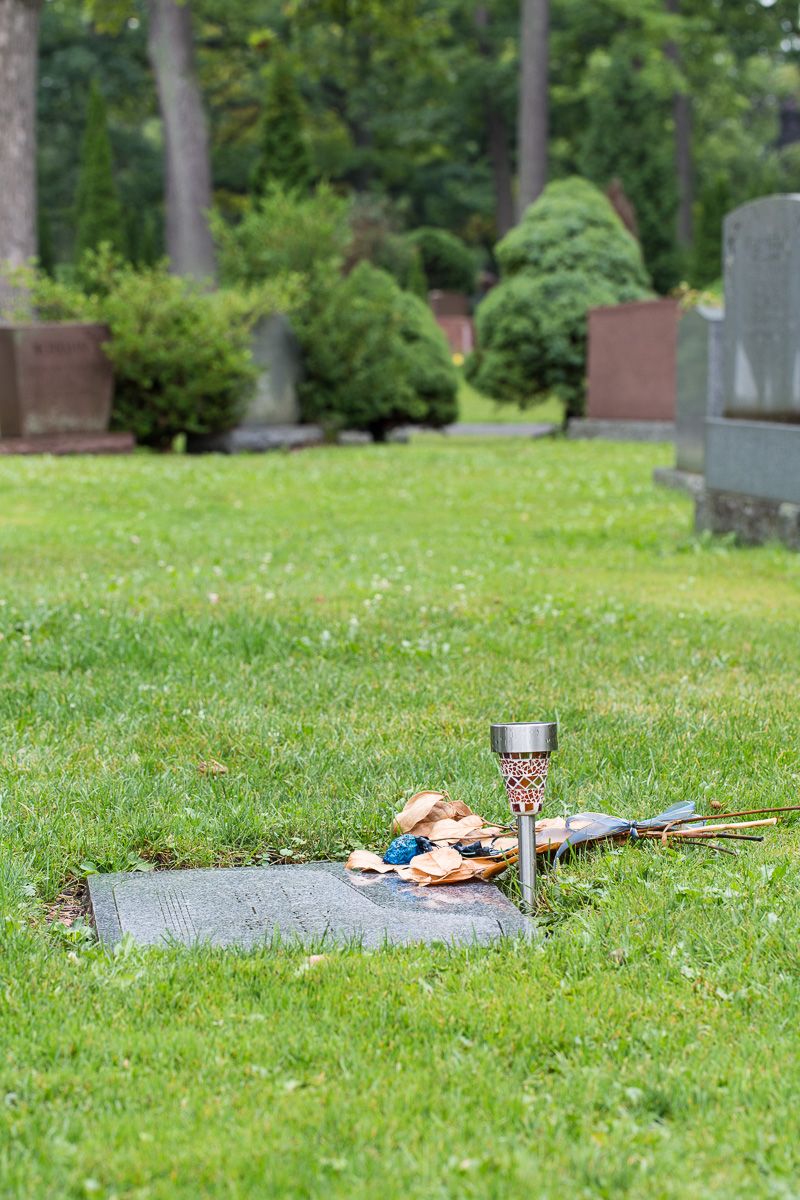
(761, 338)
(631, 372)
(752, 451)
(248, 905)
(698, 395)
(56, 385)
(272, 420)
(698, 392)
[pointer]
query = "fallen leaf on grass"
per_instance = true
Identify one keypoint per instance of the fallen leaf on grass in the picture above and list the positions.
(365, 860)
(212, 767)
(421, 807)
(437, 862)
(455, 831)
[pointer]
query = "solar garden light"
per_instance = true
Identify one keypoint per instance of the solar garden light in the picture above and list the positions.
(523, 749)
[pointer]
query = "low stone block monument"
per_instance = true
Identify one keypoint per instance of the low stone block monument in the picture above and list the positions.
(630, 372)
(56, 385)
(752, 446)
(308, 904)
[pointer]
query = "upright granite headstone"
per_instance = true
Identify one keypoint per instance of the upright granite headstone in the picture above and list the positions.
(761, 339)
(698, 384)
(245, 906)
(276, 351)
(752, 474)
(631, 361)
(272, 420)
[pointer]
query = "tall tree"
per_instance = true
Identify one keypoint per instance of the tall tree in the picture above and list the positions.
(533, 119)
(497, 136)
(682, 115)
(19, 29)
(188, 167)
(98, 210)
(625, 138)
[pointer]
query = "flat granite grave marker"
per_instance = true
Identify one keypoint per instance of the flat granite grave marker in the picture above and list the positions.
(299, 904)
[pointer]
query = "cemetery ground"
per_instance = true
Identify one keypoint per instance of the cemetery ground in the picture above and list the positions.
(338, 628)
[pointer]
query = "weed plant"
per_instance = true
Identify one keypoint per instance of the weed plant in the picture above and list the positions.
(339, 628)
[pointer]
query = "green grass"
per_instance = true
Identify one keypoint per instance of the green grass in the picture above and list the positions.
(474, 406)
(376, 609)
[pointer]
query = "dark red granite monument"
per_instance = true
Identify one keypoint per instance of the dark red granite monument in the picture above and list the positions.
(632, 354)
(56, 385)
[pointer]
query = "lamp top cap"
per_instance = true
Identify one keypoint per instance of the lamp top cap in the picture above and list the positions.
(521, 737)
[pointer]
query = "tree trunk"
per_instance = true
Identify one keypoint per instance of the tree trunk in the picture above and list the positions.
(501, 171)
(19, 30)
(188, 167)
(682, 114)
(532, 123)
(497, 135)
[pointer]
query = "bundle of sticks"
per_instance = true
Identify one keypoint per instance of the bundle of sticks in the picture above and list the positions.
(726, 827)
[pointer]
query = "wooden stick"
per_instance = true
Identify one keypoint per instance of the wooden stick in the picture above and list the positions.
(728, 825)
(698, 833)
(749, 812)
(669, 831)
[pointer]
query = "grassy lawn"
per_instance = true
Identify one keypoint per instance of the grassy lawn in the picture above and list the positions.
(339, 627)
(474, 406)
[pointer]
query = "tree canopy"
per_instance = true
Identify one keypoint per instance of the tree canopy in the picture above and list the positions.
(415, 102)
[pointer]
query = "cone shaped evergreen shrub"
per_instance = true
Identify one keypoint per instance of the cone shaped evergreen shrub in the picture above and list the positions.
(570, 253)
(284, 156)
(97, 206)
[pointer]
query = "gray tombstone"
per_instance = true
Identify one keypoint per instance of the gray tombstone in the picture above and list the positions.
(752, 446)
(309, 904)
(275, 349)
(761, 340)
(698, 383)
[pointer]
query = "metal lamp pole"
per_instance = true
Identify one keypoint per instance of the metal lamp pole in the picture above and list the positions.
(523, 749)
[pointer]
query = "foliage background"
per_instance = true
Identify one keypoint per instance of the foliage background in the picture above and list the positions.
(393, 104)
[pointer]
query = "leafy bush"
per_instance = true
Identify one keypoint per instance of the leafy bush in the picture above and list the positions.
(570, 253)
(374, 358)
(284, 233)
(181, 357)
(448, 263)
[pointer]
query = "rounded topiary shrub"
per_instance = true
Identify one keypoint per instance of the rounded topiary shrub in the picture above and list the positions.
(449, 265)
(374, 357)
(570, 253)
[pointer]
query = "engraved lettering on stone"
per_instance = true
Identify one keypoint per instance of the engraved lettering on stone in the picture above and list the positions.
(177, 916)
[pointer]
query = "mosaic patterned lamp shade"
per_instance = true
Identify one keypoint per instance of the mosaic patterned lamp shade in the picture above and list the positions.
(523, 752)
(525, 776)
